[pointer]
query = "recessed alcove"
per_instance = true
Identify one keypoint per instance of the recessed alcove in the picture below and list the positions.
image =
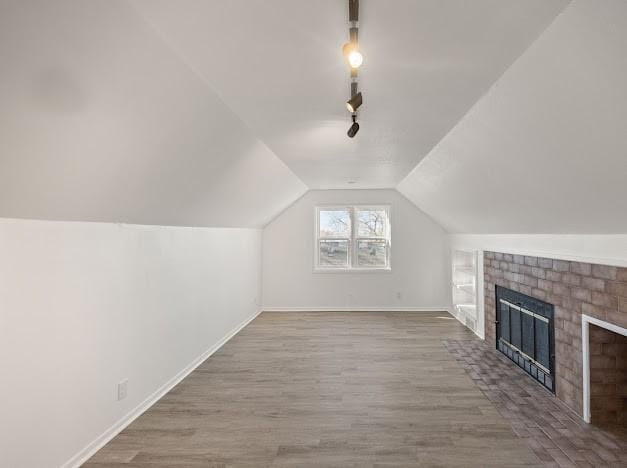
(605, 372)
(608, 377)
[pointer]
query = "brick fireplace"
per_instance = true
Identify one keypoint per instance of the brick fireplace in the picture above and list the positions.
(574, 288)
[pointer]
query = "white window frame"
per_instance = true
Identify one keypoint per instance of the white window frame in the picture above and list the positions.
(353, 239)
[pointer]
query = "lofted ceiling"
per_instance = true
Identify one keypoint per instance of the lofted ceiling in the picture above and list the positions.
(493, 116)
(101, 121)
(545, 151)
(278, 65)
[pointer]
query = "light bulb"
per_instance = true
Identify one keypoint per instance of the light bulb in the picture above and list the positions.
(355, 59)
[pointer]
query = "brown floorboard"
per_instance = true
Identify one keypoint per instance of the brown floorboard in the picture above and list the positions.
(355, 389)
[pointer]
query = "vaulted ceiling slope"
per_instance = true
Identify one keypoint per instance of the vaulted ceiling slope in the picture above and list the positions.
(278, 65)
(545, 151)
(101, 121)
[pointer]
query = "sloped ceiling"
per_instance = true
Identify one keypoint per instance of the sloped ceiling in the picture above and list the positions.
(210, 113)
(545, 151)
(278, 65)
(101, 121)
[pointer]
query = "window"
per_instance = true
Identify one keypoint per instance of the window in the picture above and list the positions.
(352, 238)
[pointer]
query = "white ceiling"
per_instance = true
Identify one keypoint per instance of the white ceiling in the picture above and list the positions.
(277, 64)
(217, 113)
(101, 121)
(546, 150)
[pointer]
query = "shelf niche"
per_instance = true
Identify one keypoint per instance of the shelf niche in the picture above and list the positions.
(464, 277)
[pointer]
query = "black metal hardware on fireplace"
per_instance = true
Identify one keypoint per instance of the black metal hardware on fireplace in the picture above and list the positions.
(525, 334)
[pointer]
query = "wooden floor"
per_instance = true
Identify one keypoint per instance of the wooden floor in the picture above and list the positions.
(326, 390)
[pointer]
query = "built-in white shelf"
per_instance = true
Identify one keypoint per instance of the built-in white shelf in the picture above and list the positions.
(468, 287)
(469, 270)
(464, 277)
(469, 310)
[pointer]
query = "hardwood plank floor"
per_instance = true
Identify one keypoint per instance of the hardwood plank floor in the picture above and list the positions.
(355, 389)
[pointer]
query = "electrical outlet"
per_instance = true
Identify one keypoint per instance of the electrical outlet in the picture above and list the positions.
(399, 295)
(122, 389)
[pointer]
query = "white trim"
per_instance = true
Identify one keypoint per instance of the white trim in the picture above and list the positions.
(348, 271)
(560, 256)
(480, 331)
(446, 309)
(586, 320)
(599, 248)
(87, 452)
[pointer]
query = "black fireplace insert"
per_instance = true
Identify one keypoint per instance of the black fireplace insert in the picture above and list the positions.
(525, 334)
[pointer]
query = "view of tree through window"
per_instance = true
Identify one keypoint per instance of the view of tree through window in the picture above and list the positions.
(335, 223)
(353, 238)
(372, 223)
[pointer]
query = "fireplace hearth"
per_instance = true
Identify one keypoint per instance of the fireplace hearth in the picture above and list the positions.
(525, 334)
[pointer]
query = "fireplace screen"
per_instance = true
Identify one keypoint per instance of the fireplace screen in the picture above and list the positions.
(524, 333)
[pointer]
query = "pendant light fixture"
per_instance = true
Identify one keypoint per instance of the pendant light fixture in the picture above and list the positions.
(355, 59)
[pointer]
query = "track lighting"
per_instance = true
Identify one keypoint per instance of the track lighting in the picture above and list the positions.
(354, 128)
(353, 103)
(355, 59)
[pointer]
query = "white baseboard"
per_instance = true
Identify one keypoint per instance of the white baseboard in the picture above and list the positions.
(357, 309)
(86, 453)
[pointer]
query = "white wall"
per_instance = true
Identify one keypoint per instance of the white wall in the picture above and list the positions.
(86, 305)
(420, 266)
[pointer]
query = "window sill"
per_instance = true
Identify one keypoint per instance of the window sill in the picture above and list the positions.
(344, 271)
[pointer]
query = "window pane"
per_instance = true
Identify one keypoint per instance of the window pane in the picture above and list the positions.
(335, 223)
(372, 253)
(333, 254)
(371, 223)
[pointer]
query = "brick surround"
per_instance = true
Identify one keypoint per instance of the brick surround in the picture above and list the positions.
(574, 288)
